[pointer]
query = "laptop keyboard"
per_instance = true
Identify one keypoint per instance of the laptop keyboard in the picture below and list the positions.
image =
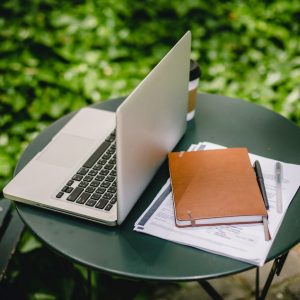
(94, 184)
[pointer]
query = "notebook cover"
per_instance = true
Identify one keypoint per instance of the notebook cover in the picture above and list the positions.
(214, 184)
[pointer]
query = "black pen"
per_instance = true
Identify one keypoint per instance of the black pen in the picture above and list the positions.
(261, 183)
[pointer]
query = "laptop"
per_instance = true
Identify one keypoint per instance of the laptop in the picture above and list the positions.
(98, 164)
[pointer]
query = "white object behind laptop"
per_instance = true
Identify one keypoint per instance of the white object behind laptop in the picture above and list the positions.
(148, 124)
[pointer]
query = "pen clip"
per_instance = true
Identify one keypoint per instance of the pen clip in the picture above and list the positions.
(257, 169)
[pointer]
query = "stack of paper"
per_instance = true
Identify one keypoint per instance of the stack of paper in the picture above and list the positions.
(243, 242)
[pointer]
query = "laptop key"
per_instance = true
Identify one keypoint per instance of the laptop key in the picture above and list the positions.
(113, 200)
(113, 161)
(67, 189)
(96, 196)
(91, 202)
(96, 155)
(93, 172)
(104, 172)
(112, 189)
(74, 195)
(88, 178)
(83, 197)
(97, 167)
(64, 189)
(101, 203)
(113, 173)
(106, 156)
(107, 195)
(111, 138)
(77, 177)
(83, 184)
(99, 177)
(70, 182)
(111, 151)
(105, 184)
(108, 207)
(110, 178)
(59, 195)
(101, 190)
(95, 183)
(82, 171)
(102, 162)
(108, 166)
(90, 189)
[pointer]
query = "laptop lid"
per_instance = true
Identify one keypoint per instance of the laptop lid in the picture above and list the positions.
(150, 122)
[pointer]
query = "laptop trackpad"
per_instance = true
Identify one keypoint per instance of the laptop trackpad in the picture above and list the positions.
(66, 150)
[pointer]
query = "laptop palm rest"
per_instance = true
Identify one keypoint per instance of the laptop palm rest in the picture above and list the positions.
(74, 148)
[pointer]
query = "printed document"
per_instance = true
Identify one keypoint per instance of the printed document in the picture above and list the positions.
(242, 242)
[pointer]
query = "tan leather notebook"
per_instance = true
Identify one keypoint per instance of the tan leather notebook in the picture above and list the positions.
(215, 187)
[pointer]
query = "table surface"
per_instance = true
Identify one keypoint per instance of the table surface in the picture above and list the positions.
(121, 251)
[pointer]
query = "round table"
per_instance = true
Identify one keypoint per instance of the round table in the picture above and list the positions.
(122, 251)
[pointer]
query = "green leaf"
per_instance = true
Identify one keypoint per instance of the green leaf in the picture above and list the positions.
(29, 243)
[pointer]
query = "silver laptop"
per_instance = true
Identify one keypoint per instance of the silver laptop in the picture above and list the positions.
(99, 163)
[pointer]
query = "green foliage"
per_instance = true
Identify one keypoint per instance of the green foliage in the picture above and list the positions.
(41, 274)
(58, 56)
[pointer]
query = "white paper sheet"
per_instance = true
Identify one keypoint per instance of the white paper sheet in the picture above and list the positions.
(243, 242)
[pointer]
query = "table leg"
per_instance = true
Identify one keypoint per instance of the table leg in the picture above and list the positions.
(257, 284)
(275, 270)
(210, 290)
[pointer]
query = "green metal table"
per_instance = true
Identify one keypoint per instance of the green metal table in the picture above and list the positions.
(122, 251)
